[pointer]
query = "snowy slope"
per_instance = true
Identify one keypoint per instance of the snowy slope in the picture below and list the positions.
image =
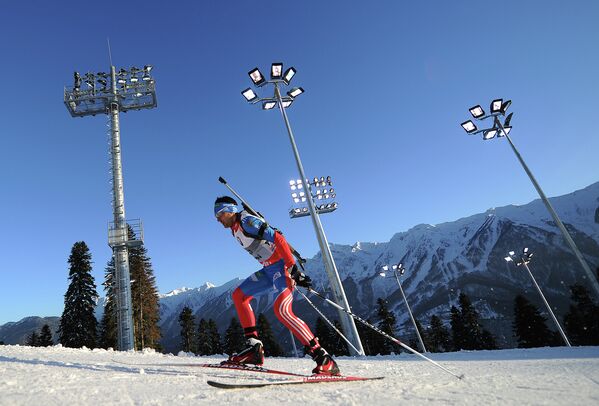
(61, 376)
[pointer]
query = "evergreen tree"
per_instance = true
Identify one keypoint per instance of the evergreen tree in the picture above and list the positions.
(108, 324)
(457, 329)
(234, 338)
(370, 339)
(33, 339)
(529, 326)
(438, 336)
(423, 335)
(145, 301)
(338, 344)
(204, 344)
(582, 320)
(271, 347)
(323, 332)
(488, 341)
(45, 339)
(386, 324)
(215, 339)
(78, 324)
(186, 321)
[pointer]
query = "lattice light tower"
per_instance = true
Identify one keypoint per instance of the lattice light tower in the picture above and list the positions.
(111, 93)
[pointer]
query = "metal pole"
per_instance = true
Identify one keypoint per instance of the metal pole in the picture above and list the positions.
(590, 275)
(329, 263)
(410, 312)
(547, 305)
(120, 252)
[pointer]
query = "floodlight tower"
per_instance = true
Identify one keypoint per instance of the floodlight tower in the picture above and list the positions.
(524, 259)
(324, 196)
(399, 270)
(278, 78)
(499, 108)
(126, 90)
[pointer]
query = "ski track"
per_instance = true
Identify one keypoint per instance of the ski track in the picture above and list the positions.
(63, 376)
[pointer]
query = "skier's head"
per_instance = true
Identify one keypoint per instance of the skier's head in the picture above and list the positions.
(225, 210)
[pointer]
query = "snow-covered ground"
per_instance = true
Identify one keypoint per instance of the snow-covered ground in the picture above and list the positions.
(61, 376)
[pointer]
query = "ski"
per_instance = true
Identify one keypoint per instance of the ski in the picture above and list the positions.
(305, 379)
(236, 367)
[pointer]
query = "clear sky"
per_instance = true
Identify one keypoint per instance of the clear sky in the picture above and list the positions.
(387, 84)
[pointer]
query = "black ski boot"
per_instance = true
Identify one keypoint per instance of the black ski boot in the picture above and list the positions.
(253, 354)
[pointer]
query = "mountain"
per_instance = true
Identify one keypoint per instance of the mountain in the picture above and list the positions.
(17, 332)
(441, 261)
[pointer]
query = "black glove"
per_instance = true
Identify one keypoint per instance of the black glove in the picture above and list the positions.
(300, 278)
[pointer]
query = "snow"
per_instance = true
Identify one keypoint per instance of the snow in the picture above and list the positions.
(59, 376)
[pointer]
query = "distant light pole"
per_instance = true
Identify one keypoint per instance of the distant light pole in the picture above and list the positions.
(498, 108)
(279, 78)
(524, 259)
(126, 90)
(399, 270)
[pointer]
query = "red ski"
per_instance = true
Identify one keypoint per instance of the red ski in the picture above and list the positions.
(305, 379)
(237, 367)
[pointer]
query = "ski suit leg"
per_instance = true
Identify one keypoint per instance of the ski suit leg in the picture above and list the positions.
(244, 309)
(284, 313)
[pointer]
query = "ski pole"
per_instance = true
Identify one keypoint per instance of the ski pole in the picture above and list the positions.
(248, 208)
(328, 321)
(395, 340)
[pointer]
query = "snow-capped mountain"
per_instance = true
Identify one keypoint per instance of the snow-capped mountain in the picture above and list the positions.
(441, 261)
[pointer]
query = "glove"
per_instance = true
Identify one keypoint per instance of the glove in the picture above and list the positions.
(300, 278)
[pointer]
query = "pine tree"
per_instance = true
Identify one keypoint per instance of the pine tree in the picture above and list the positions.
(370, 339)
(45, 339)
(338, 344)
(438, 336)
(215, 338)
(386, 324)
(234, 338)
(582, 320)
(323, 332)
(33, 339)
(271, 346)
(186, 321)
(204, 344)
(108, 324)
(145, 301)
(78, 324)
(457, 329)
(529, 326)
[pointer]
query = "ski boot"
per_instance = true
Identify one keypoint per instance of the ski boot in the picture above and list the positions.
(325, 364)
(253, 354)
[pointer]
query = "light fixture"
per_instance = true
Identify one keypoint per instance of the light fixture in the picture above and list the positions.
(296, 91)
(269, 105)
(305, 209)
(488, 134)
(504, 132)
(249, 94)
(477, 111)
(469, 126)
(134, 79)
(146, 77)
(299, 184)
(287, 103)
(257, 77)
(296, 200)
(276, 70)
(148, 68)
(294, 195)
(496, 106)
(508, 120)
(288, 75)
(329, 180)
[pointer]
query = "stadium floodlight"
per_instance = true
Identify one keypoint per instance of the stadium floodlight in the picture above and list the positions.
(496, 106)
(296, 91)
(249, 94)
(499, 107)
(477, 111)
(398, 270)
(269, 105)
(276, 70)
(524, 259)
(112, 100)
(469, 126)
(489, 134)
(257, 77)
(288, 75)
(280, 81)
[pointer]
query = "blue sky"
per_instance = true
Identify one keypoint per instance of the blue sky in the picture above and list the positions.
(387, 85)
